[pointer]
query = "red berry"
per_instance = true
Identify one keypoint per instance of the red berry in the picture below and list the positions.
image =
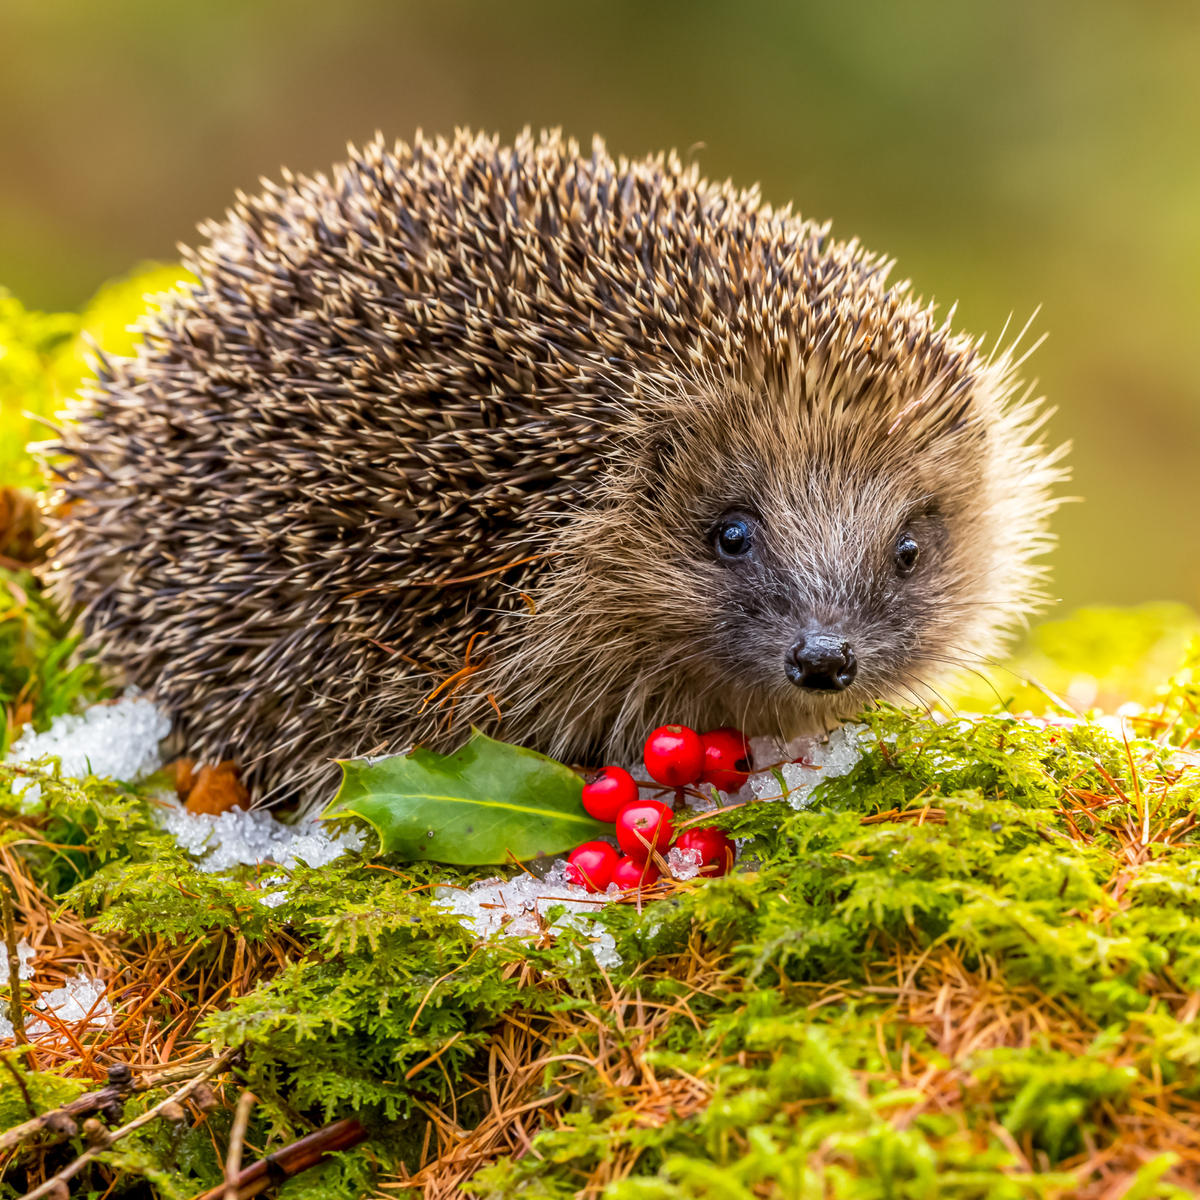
(726, 759)
(591, 865)
(629, 873)
(716, 850)
(608, 793)
(674, 755)
(647, 821)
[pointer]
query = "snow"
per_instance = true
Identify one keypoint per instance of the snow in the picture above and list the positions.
(118, 740)
(25, 953)
(239, 837)
(818, 760)
(519, 907)
(684, 864)
(81, 999)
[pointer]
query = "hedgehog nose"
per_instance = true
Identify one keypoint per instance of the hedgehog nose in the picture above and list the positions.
(821, 662)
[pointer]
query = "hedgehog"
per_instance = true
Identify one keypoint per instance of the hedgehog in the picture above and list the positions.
(547, 444)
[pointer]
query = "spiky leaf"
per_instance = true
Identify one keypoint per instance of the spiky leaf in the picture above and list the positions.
(488, 803)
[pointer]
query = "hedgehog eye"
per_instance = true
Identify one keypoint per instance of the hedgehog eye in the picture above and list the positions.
(907, 553)
(734, 537)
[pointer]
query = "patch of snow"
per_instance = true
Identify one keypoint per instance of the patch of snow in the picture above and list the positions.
(519, 907)
(82, 999)
(118, 740)
(708, 801)
(272, 899)
(25, 954)
(239, 837)
(819, 760)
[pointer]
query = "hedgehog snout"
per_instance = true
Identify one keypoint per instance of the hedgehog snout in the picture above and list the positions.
(821, 662)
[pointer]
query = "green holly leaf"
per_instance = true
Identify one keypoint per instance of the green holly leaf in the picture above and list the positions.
(488, 803)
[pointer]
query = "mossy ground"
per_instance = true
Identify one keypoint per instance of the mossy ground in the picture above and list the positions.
(972, 969)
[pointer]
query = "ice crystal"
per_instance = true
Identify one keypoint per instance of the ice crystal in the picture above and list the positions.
(684, 863)
(240, 837)
(118, 740)
(25, 955)
(82, 999)
(518, 907)
(817, 761)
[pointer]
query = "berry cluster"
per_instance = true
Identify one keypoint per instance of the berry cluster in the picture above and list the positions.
(678, 758)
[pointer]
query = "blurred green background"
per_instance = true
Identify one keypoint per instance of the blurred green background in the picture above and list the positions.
(1010, 155)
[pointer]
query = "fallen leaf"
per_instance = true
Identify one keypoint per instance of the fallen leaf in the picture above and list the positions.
(21, 525)
(217, 790)
(490, 802)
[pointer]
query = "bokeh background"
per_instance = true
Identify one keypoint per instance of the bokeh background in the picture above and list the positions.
(1009, 155)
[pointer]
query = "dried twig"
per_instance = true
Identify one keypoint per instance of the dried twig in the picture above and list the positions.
(299, 1156)
(62, 1120)
(15, 1013)
(237, 1135)
(52, 1184)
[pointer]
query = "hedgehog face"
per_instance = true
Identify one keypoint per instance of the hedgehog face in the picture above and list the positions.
(805, 562)
(773, 557)
(816, 617)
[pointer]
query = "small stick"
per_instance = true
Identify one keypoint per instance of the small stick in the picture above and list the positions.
(15, 1012)
(237, 1135)
(52, 1184)
(309, 1151)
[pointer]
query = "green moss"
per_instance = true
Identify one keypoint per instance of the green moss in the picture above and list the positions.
(43, 1089)
(41, 676)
